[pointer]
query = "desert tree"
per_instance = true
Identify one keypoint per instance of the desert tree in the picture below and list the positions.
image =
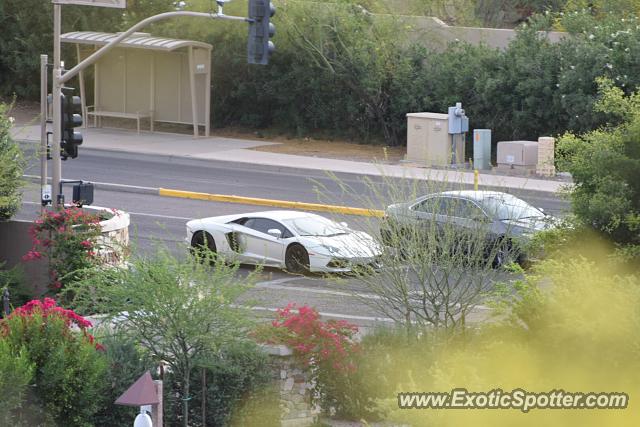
(439, 258)
(181, 310)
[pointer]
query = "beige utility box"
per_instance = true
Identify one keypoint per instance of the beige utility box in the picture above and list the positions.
(428, 140)
(520, 155)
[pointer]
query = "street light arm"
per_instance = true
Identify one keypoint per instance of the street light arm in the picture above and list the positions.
(106, 48)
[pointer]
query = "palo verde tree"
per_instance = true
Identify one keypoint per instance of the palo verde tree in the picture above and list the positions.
(180, 311)
(438, 257)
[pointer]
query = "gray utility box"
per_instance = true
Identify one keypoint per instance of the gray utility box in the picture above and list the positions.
(520, 155)
(482, 149)
(428, 139)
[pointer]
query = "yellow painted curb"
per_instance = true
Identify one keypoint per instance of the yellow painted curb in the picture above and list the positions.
(270, 202)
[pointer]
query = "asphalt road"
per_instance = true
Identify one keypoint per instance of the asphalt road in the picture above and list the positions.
(159, 220)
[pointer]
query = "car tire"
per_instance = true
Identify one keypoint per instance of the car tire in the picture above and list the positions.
(296, 259)
(202, 240)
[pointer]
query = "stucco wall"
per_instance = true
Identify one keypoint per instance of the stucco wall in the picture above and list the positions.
(435, 34)
(14, 243)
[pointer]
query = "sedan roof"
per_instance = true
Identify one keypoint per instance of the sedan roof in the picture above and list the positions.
(473, 195)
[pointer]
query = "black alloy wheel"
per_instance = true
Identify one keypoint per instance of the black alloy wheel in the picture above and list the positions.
(297, 259)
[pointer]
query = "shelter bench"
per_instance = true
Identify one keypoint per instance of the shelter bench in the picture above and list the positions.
(91, 111)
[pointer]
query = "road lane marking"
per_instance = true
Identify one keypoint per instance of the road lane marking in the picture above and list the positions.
(110, 184)
(274, 286)
(277, 285)
(334, 315)
(135, 213)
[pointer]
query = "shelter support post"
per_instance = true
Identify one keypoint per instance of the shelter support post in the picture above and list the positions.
(192, 86)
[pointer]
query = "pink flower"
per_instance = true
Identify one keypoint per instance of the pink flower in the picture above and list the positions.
(85, 244)
(32, 255)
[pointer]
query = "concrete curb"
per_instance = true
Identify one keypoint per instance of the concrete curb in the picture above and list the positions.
(270, 202)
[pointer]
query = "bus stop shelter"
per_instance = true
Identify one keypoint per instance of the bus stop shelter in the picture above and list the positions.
(146, 77)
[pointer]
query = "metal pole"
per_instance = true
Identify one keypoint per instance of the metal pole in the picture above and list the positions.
(5, 302)
(44, 59)
(56, 172)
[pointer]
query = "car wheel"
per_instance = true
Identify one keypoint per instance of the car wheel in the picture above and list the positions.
(296, 259)
(202, 240)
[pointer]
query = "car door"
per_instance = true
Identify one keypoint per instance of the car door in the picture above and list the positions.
(259, 246)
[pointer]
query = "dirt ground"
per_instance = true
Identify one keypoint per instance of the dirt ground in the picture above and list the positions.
(27, 113)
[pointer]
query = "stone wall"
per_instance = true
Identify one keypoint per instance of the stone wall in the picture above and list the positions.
(295, 392)
(114, 240)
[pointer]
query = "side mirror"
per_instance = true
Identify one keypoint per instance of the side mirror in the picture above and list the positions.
(344, 224)
(274, 232)
(541, 210)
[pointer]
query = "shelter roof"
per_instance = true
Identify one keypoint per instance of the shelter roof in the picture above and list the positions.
(136, 40)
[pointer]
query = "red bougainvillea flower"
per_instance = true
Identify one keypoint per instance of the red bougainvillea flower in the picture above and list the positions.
(48, 309)
(67, 239)
(32, 255)
(312, 340)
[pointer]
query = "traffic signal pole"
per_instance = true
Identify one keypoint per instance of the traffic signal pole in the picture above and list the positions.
(56, 163)
(44, 60)
(60, 79)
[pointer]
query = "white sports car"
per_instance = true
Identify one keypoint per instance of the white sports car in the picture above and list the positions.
(296, 241)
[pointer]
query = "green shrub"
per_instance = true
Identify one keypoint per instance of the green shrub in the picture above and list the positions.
(16, 373)
(11, 167)
(126, 362)
(236, 390)
(67, 387)
(14, 280)
(605, 165)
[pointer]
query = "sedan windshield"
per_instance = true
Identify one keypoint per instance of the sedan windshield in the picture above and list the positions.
(508, 207)
(314, 226)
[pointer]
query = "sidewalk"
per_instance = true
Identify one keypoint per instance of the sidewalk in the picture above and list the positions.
(240, 151)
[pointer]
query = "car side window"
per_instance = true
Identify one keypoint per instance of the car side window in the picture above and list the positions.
(467, 209)
(430, 205)
(263, 225)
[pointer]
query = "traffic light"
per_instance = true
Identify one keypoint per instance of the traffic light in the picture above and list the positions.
(71, 119)
(259, 47)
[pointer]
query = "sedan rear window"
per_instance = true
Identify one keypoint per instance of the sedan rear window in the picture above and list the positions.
(508, 207)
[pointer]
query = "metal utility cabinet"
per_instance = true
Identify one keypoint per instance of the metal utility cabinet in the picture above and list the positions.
(428, 140)
(518, 155)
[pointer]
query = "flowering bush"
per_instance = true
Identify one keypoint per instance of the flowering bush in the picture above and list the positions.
(313, 341)
(330, 355)
(67, 238)
(48, 309)
(70, 368)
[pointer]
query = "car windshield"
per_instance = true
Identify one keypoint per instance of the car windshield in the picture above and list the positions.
(314, 226)
(508, 207)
